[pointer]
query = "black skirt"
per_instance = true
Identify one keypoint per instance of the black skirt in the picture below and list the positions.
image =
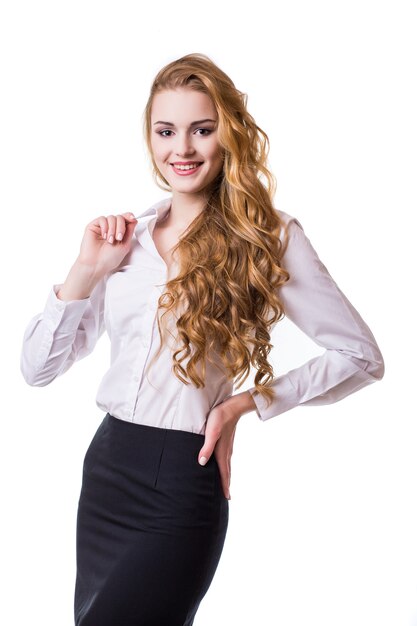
(151, 526)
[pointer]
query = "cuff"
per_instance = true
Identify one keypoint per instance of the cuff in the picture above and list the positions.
(285, 398)
(63, 315)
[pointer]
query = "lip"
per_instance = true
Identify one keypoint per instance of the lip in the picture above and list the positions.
(185, 162)
(186, 172)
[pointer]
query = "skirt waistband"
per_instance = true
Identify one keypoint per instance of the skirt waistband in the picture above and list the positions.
(155, 431)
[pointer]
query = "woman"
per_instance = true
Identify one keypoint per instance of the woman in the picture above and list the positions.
(188, 294)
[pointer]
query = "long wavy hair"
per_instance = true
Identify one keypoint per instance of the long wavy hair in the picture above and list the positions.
(230, 255)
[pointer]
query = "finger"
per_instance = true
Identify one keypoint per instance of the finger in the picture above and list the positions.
(103, 226)
(208, 447)
(129, 216)
(111, 232)
(225, 477)
(99, 226)
(204, 455)
(123, 221)
(120, 227)
(130, 229)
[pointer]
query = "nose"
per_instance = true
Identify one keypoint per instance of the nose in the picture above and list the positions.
(184, 146)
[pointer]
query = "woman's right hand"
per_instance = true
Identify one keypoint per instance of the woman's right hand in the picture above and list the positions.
(101, 249)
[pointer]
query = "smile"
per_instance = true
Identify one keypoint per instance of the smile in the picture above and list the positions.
(185, 170)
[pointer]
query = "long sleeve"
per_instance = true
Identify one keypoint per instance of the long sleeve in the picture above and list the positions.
(315, 304)
(63, 333)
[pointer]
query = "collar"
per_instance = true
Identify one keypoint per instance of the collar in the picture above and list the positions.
(158, 210)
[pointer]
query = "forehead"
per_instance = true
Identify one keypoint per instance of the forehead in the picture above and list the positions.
(182, 106)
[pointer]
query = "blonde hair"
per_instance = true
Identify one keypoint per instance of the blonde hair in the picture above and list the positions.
(230, 255)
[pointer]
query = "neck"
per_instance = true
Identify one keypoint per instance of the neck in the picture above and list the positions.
(184, 209)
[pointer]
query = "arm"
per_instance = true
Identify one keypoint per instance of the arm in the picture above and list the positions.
(313, 301)
(67, 329)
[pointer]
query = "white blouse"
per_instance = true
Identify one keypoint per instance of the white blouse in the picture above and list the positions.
(124, 303)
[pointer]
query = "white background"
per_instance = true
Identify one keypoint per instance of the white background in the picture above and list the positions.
(323, 510)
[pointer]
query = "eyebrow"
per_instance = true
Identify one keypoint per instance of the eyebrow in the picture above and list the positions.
(192, 123)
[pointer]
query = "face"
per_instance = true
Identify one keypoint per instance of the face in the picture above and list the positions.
(176, 138)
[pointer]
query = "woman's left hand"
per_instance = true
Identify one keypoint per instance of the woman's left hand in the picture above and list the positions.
(219, 435)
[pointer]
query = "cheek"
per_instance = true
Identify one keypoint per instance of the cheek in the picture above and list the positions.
(157, 149)
(218, 160)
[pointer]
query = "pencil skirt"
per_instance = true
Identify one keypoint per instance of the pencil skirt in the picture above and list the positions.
(151, 525)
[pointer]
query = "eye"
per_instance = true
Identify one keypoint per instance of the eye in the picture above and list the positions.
(161, 132)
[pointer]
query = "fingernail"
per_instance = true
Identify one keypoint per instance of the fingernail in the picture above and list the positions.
(229, 497)
(202, 460)
(119, 236)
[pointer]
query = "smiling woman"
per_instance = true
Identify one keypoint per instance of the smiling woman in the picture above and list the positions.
(187, 148)
(195, 283)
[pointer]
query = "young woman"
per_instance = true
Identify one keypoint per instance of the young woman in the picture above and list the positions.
(188, 293)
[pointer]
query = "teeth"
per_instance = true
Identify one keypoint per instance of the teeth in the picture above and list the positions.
(186, 167)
